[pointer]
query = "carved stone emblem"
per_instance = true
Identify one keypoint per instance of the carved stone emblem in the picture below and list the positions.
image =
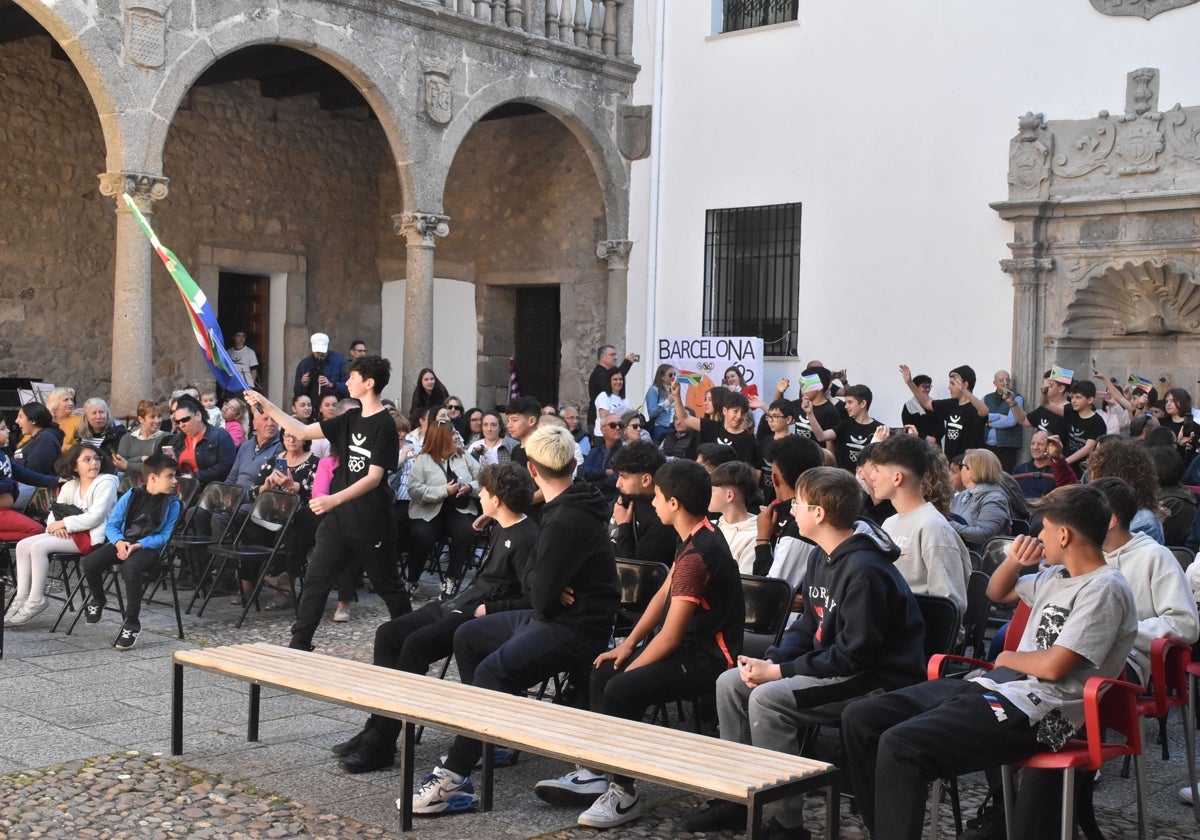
(633, 131)
(439, 96)
(1141, 91)
(1141, 8)
(1149, 298)
(1140, 143)
(146, 32)
(1029, 158)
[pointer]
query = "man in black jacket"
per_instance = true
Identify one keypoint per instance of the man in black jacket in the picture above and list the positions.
(573, 588)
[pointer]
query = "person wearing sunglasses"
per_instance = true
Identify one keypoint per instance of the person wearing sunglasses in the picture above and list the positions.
(201, 450)
(597, 466)
(635, 427)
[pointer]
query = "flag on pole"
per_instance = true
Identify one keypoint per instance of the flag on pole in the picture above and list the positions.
(514, 389)
(204, 323)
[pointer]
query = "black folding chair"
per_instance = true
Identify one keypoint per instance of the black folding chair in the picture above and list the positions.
(1185, 556)
(768, 605)
(220, 500)
(273, 512)
(975, 619)
(166, 566)
(640, 582)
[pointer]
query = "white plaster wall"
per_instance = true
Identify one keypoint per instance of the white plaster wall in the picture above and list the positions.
(890, 122)
(454, 339)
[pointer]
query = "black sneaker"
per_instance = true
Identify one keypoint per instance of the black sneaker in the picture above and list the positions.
(367, 759)
(92, 612)
(988, 822)
(129, 635)
(346, 747)
(719, 814)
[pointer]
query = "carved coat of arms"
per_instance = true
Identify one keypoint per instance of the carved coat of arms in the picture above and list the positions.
(1142, 8)
(439, 96)
(146, 33)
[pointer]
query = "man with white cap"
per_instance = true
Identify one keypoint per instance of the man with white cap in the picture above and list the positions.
(321, 373)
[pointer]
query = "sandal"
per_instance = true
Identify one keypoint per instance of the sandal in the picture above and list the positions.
(279, 602)
(237, 600)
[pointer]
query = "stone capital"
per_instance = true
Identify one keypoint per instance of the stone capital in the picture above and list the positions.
(616, 252)
(1025, 270)
(420, 228)
(143, 189)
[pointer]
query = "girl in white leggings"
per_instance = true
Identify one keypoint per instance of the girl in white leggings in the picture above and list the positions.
(90, 490)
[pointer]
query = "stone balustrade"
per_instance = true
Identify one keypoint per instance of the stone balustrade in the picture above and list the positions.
(598, 26)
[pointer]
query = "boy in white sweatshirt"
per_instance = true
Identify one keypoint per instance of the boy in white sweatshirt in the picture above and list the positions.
(733, 485)
(1164, 602)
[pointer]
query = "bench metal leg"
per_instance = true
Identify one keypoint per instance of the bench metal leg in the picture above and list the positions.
(754, 818)
(177, 711)
(252, 718)
(488, 775)
(407, 746)
(833, 811)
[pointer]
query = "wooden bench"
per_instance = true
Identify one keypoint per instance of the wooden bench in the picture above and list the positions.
(684, 760)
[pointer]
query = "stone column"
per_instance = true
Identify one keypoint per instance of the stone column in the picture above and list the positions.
(132, 357)
(616, 253)
(1027, 363)
(420, 229)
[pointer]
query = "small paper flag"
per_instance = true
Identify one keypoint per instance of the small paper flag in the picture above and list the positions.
(810, 384)
(1061, 374)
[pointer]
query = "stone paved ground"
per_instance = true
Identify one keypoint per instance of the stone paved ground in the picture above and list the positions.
(84, 752)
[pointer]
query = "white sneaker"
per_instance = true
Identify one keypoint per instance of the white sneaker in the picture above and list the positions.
(579, 788)
(341, 614)
(28, 611)
(440, 794)
(1185, 794)
(13, 608)
(616, 807)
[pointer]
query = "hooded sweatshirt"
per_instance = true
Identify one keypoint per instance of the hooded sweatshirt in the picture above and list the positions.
(1161, 595)
(573, 549)
(859, 616)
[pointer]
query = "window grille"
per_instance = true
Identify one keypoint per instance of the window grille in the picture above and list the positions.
(747, 14)
(752, 274)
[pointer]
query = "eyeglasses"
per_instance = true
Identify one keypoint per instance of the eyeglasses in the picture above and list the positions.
(634, 426)
(454, 408)
(182, 420)
(89, 459)
(615, 425)
(288, 436)
(797, 504)
(669, 376)
(775, 416)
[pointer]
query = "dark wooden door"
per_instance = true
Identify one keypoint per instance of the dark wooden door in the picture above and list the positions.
(538, 342)
(244, 303)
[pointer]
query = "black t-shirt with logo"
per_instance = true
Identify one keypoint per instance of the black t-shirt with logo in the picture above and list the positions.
(743, 443)
(363, 442)
(1044, 420)
(852, 436)
(829, 414)
(1080, 431)
(964, 427)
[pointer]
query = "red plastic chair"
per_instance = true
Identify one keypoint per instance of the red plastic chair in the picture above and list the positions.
(1109, 706)
(1193, 672)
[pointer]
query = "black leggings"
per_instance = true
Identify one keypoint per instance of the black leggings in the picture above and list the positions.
(449, 523)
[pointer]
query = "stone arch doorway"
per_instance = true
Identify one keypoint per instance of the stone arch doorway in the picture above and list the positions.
(279, 168)
(528, 210)
(56, 251)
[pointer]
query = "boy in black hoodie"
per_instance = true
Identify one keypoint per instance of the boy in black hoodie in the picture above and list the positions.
(640, 534)
(414, 641)
(573, 587)
(860, 631)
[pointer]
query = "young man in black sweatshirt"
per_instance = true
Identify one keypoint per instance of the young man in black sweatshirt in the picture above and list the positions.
(574, 591)
(860, 631)
(414, 641)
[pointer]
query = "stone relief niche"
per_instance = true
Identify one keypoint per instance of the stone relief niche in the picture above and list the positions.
(1106, 248)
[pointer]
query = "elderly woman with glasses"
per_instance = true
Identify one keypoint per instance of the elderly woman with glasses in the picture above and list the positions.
(75, 525)
(635, 427)
(201, 450)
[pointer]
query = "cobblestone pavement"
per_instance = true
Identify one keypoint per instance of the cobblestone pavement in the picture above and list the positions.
(84, 746)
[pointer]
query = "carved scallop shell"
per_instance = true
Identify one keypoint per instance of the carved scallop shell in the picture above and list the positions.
(1136, 298)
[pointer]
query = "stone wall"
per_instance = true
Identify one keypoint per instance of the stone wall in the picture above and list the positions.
(263, 175)
(526, 209)
(56, 232)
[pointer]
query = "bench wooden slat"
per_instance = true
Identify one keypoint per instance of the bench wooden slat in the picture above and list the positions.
(680, 759)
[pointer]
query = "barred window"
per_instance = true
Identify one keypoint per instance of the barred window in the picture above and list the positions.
(752, 274)
(747, 14)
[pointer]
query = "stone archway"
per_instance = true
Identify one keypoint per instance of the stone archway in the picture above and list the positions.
(1106, 215)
